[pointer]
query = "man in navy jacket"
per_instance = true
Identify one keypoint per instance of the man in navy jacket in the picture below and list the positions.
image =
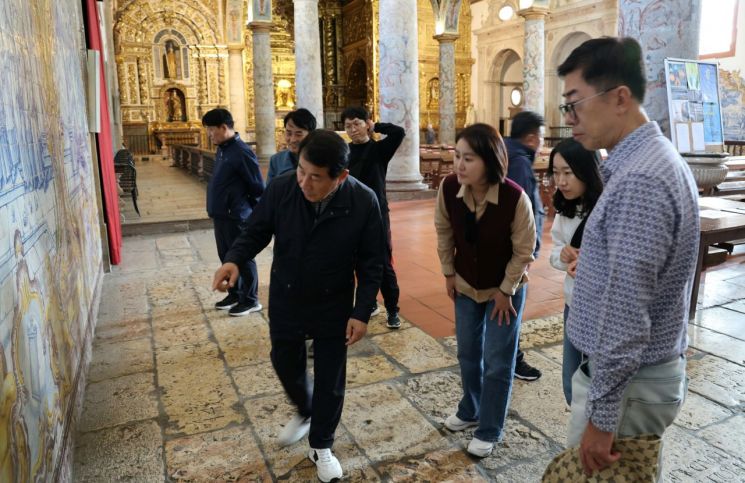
(526, 138)
(327, 231)
(234, 189)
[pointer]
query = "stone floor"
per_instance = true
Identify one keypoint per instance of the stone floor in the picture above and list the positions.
(178, 391)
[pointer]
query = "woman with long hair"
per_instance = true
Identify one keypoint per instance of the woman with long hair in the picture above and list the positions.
(485, 241)
(574, 171)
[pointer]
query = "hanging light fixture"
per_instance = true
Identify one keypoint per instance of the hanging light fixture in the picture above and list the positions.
(516, 96)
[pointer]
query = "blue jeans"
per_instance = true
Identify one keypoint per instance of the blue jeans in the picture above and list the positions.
(486, 353)
(571, 360)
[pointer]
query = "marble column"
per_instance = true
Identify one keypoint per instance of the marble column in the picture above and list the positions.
(236, 93)
(447, 87)
(664, 29)
(534, 59)
(399, 89)
(263, 90)
(308, 81)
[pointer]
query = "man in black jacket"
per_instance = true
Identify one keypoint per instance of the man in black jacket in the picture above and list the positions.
(368, 162)
(234, 189)
(327, 230)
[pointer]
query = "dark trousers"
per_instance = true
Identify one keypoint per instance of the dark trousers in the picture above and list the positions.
(389, 285)
(247, 288)
(324, 400)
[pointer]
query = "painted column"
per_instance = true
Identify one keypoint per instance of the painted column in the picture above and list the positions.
(664, 29)
(447, 87)
(263, 90)
(237, 95)
(399, 89)
(534, 59)
(308, 81)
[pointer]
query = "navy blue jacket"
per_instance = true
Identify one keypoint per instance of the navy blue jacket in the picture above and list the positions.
(316, 259)
(236, 183)
(520, 170)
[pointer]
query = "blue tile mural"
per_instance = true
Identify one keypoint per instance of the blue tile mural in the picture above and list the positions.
(732, 90)
(50, 246)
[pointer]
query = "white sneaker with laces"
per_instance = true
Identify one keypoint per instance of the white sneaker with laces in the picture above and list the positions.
(454, 423)
(376, 310)
(294, 430)
(327, 465)
(479, 448)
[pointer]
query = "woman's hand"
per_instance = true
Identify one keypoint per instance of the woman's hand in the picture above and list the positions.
(572, 268)
(450, 287)
(568, 254)
(502, 308)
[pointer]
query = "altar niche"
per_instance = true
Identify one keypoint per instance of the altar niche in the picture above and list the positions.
(170, 56)
(174, 103)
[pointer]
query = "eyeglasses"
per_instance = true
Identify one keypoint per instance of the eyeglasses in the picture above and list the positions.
(568, 108)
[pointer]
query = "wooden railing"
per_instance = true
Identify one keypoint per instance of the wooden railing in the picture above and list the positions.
(199, 162)
(136, 143)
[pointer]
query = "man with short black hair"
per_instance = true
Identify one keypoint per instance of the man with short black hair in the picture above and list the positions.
(526, 138)
(368, 162)
(328, 232)
(298, 124)
(233, 190)
(632, 292)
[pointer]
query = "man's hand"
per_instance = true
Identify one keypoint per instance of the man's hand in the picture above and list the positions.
(568, 254)
(370, 127)
(356, 329)
(450, 287)
(225, 277)
(502, 308)
(596, 449)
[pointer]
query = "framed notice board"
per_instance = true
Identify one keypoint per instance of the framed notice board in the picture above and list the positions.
(693, 103)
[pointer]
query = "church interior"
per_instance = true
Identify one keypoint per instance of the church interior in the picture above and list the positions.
(114, 364)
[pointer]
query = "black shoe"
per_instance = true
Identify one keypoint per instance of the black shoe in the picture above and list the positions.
(227, 302)
(244, 309)
(393, 321)
(526, 372)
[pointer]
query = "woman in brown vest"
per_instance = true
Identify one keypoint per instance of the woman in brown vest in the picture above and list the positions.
(485, 241)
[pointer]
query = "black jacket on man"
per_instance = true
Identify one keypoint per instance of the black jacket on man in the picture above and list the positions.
(368, 162)
(316, 260)
(236, 182)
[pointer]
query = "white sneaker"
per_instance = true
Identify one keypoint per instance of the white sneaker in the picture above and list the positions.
(479, 448)
(454, 423)
(327, 465)
(376, 310)
(294, 430)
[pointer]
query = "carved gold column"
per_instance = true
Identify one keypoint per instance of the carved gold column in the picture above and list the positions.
(263, 89)
(534, 57)
(399, 93)
(237, 94)
(308, 82)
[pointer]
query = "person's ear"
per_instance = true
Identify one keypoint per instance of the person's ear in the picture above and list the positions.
(343, 175)
(623, 99)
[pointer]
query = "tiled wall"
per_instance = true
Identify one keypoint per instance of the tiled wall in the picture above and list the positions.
(50, 247)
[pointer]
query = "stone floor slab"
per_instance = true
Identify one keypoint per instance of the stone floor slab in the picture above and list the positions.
(718, 344)
(717, 379)
(256, 380)
(698, 412)
(541, 332)
(244, 340)
(415, 350)
(723, 320)
(368, 370)
(129, 330)
(688, 458)
(387, 426)
(223, 455)
(119, 400)
(124, 453)
(436, 394)
(451, 465)
(181, 335)
(728, 436)
(120, 358)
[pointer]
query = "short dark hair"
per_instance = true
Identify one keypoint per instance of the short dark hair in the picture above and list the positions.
(585, 166)
(325, 149)
(489, 146)
(355, 112)
(526, 122)
(218, 117)
(302, 118)
(608, 62)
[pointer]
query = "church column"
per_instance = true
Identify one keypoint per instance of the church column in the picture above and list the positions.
(263, 90)
(399, 89)
(533, 58)
(675, 34)
(308, 82)
(237, 94)
(447, 87)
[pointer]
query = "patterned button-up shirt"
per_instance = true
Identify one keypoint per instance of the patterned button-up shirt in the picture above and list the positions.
(636, 266)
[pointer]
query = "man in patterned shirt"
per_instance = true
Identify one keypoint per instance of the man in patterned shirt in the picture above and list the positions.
(632, 293)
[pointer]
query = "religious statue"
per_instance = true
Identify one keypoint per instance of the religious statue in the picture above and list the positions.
(170, 63)
(174, 107)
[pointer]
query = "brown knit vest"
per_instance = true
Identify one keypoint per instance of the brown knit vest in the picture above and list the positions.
(482, 264)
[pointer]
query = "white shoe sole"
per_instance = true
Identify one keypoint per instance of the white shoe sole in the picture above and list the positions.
(479, 452)
(461, 427)
(226, 307)
(255, 308)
